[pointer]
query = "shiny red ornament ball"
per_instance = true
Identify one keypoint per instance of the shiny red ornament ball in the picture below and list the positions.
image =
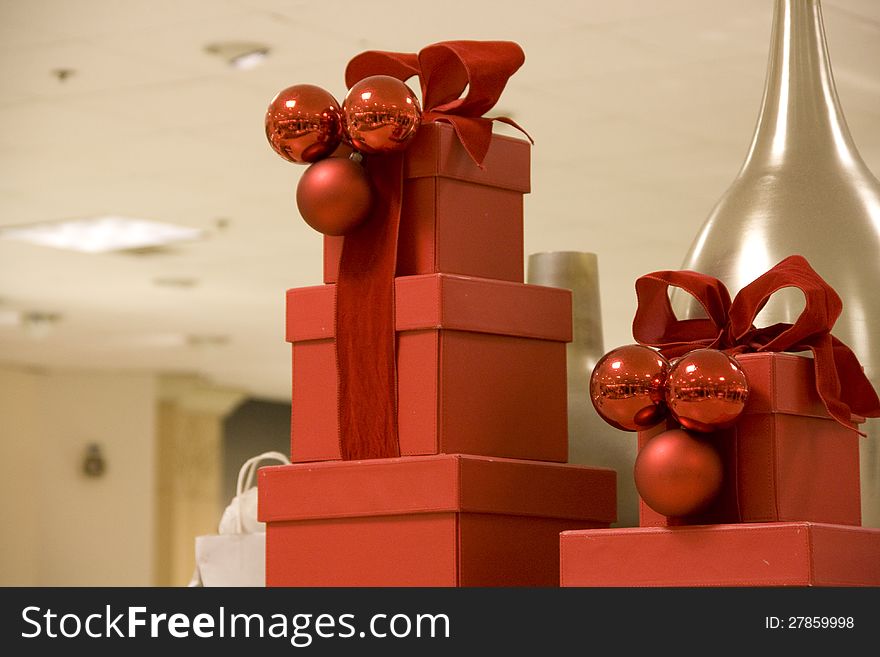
(334, 195)
(678, 473)
(304, 123)
(706, 390)
(380, 115)
(626, 387)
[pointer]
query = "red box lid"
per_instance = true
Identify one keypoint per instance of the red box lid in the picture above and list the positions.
(432, 484)
(783, 383)
(436, 151)
(435, 301)
(742, 554)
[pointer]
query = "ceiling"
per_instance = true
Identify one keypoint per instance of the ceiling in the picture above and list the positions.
(641, 113)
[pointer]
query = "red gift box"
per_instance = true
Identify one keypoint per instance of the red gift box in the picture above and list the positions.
(481, 368)
(745, 554)
(456, 217)
(785, 459)
(450, 520)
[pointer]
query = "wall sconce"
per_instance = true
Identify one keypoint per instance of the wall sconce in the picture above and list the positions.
(94, 464)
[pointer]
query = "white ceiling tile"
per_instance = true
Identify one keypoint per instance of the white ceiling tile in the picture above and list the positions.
(707, 31)
(95, 18)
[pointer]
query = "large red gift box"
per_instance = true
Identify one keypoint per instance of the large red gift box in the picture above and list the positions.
(457, 217)
(449, 520)
(745, 554)
(481, 368)
(785, 459)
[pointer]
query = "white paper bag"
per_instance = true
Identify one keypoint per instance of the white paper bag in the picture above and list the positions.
(231, 559)
(236, 555)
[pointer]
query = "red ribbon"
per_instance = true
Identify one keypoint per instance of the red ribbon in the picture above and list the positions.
(729, 326)
(365, 331)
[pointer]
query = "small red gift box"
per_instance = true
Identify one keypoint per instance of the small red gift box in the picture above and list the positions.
(785, 459)
(744, 554)
(450, 520)
(456, 217)
(481, 368)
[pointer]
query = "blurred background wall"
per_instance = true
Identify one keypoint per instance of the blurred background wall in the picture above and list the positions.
(61, 527)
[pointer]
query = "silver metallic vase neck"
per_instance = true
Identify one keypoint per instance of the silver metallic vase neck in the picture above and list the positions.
(800, 116)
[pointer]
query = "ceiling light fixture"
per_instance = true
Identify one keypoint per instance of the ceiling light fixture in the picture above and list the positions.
(10, 317)
(181, 282)
(207, 340)
(100, 234)
(38, 325)
(239, 54)
(62, 74)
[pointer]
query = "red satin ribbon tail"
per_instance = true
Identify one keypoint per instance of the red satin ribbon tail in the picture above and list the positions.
(511, 122)
(475, 134)
(365, 329)
(858, 394)
(828, 384)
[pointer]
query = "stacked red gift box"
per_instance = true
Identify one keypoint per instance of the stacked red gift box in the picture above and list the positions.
(786, 507)
(474, 488)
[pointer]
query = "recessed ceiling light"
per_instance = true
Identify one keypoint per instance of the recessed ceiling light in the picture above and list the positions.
(61, 74)
(100, 234)
(10, 317)
(206, 340)
(239, 54)
(175, 281)
(39, 325)
(248, 60)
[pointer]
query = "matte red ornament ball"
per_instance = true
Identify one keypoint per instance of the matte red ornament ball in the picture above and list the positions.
(626, 387)
(678, 473)
(380, 115)
(334, 195)
(304, 123)
(706, 390)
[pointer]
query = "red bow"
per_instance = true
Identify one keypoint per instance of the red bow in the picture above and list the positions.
(840, 379)
(445, 70)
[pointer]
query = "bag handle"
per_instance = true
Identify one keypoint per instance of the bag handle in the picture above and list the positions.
(246, 477)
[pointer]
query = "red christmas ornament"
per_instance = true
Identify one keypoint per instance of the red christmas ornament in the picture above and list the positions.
(678, 473)
(706, 390)
(334, 195)
(304, 123)
(626, 387)
(380, 115)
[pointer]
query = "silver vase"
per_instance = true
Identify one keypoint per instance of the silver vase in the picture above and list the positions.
(590, 440)
(804, 189)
